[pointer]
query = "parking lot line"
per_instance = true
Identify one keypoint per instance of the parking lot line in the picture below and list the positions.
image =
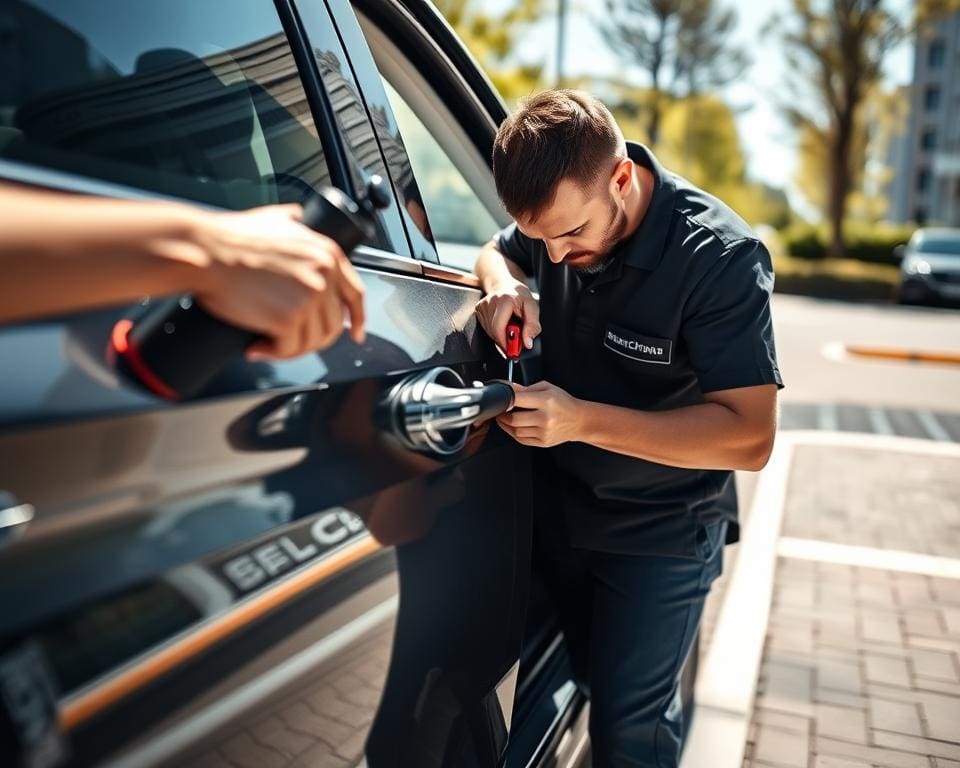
(869, 557)
(933, 427)
(727, 680)
(879, 421)
(827, 418)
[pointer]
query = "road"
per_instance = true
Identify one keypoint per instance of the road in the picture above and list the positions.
(808, 331)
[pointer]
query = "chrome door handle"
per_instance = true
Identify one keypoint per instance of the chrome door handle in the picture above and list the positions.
(432, 410)
(13, 516)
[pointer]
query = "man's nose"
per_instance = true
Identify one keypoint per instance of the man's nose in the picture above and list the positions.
(556, 252)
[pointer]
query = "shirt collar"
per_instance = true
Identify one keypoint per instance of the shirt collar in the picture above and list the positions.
(644, 248)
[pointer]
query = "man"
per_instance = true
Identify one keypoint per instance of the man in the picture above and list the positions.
(660, 376)
(260, 269)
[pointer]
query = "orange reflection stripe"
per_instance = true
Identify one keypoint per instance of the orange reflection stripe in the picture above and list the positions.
(893, 353)
(91, 703)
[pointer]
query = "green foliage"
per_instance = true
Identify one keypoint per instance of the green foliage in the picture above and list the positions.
(700, 141)
(871, 243)
(492, 39)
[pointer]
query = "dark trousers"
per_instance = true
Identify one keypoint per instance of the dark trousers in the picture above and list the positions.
(629, 623)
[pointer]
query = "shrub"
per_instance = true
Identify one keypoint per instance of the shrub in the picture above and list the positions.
(872, 243)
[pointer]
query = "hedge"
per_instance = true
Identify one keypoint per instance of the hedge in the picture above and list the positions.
(872, 243)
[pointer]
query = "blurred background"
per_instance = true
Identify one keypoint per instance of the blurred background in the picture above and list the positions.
(833, 127)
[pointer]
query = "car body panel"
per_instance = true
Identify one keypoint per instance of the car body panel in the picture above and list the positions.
(176, 548)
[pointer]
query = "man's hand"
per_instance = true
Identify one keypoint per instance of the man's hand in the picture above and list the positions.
(505, 300)
(549, 416)
(269, 273)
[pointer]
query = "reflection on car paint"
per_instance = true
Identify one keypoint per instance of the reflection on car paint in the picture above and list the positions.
(410, 323)
(273, 558)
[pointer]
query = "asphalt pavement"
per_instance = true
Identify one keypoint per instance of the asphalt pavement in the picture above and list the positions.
(811, 334)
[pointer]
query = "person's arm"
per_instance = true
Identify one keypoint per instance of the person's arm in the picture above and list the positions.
(505, 288)
(733, 429)
(62, 253)
(496, 270)
(728, 333)
(261, 269)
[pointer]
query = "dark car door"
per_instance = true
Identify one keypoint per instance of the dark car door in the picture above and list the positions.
(436, 114)
(274, 571)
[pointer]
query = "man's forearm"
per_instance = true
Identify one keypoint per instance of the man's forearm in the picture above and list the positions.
(57, 249)
(705, 436)
(496, 270)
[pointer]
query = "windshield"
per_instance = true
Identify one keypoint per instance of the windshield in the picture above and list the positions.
(940, 244)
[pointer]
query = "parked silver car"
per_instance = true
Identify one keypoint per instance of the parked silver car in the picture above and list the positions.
(930, 267)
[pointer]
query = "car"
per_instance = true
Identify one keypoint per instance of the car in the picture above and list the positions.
(311, 562)
(930, 267)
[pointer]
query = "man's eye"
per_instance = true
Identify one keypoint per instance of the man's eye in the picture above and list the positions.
(577, 231)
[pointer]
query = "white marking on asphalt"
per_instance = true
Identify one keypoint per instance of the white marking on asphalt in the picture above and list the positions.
(879, 421)
(827, 418)
(933, 427)
(877, 442)
(835, 351)
(869, 557)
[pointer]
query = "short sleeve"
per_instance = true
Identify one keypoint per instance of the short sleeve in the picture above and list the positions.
(517, 247)
(727, 325)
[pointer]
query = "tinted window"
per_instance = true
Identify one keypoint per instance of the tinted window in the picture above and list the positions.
(945, 245)
(935, 55)
(191, 98)
(456, 216)
(931, 98)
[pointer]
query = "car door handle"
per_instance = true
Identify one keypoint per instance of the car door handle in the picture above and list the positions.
(13, 516)
(432, 411)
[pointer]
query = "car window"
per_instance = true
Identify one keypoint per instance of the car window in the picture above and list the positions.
(939, 244)
(457, 218)
(189, 98)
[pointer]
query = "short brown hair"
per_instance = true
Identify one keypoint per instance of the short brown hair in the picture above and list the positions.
(554, 135)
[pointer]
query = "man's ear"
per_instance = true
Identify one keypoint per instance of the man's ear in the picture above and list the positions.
(622, 178)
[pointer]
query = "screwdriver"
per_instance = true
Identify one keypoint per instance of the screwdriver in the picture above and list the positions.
(513, 345)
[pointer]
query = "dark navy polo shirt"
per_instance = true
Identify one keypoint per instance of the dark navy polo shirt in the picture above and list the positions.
(682, 309)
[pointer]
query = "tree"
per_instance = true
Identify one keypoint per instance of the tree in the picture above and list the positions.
(492, 39)
(837, 51)
(683, 45)
(705, 57)
(700, 140)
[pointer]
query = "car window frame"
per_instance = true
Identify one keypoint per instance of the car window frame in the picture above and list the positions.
(384, 256)
(447, 84)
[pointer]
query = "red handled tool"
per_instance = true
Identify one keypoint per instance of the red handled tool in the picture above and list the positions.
(513, 345)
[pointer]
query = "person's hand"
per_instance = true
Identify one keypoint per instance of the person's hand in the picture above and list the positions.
(496, 308)
(543, 415)
(269, 273)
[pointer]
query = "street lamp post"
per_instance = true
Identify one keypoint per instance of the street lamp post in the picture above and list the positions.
(561, 39)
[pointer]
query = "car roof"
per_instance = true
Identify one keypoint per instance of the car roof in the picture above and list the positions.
(951, 232)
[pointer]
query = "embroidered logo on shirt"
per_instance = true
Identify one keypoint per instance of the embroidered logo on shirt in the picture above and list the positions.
(646, 349)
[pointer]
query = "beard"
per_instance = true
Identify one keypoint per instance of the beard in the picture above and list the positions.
(601, 258)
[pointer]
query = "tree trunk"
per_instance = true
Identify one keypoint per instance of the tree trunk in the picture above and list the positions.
(840, 182)
(653, 125)
(656, 62)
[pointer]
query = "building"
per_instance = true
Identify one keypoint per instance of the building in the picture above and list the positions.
(925, 187)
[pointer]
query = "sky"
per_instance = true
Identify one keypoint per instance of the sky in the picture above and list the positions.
(767, 139)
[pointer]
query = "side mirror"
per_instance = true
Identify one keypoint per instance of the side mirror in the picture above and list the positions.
(900, 251)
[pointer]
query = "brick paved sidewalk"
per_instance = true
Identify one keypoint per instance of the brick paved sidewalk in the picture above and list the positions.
(862, 665)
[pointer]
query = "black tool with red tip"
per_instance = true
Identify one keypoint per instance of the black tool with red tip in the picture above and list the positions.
(175, 348)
